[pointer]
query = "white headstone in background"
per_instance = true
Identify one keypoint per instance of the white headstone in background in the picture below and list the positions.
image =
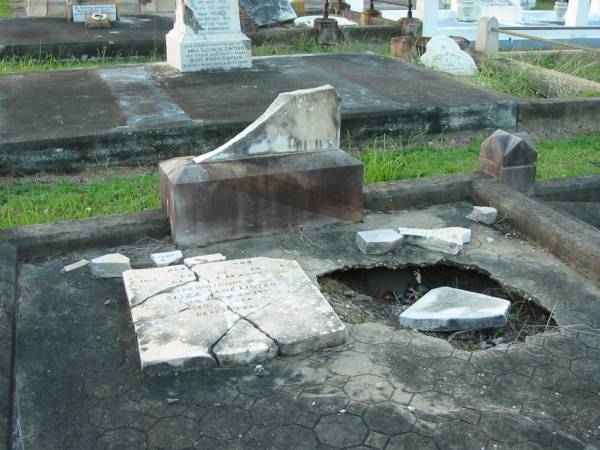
(206, 36)
(443, 54)
(468, 10)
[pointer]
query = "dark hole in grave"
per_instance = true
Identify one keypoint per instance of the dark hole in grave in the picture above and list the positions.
(381, 294)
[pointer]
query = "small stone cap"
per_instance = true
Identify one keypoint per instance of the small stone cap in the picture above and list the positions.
(166, 258)
(509, 149)
(450, 309)
(483, 214)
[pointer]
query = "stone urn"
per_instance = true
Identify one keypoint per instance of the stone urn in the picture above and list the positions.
(560, 9)
(468, 10)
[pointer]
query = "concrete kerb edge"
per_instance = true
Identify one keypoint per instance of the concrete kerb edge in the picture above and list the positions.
(585, 188)
(8, 300)
(569, 239)
(570, 113)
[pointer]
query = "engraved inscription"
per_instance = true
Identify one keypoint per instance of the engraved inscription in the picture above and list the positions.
(214, 15)
(207, 55)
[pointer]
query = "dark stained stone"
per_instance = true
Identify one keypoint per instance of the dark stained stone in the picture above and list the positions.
(341, 430)
(226, 422)
(268, 12)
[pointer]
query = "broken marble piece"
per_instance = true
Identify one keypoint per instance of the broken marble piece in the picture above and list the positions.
(445, 240)
(268, 12)
(449, 309)
(278, 298)
(483, 214)
(302, 121)
(227, 313)
(444, 54)
(176, 329)
(166, 258)
(144, 283)
(244, 344)
(109, 266)
(378, 242)
(202, 259)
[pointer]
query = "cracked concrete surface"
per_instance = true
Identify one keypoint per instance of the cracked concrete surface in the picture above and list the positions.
(79, 386)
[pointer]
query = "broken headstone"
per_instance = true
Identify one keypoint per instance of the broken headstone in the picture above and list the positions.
(109, 266)
(286, 169)
(483, 214)
(444, 54)
(449, 309)
(227, 313)
(269, 12)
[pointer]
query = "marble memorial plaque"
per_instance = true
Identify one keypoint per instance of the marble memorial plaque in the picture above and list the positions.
(227, 313)
(80, 11)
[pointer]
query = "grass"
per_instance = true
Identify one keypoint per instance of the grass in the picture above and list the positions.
(43, 61)
(544, 5)
(583, 65)
(5, 9)
(310, 46)
(26, 202)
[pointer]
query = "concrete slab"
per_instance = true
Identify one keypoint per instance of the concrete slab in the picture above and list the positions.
(63, 119)
(80, 386)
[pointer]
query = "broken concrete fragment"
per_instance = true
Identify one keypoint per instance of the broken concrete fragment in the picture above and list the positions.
(202, 259)
(244, 344)
(75, 265)
(483, 214)
(378, 242)
(449, 309)
(166, 258)
(445, 240)
(109, 266)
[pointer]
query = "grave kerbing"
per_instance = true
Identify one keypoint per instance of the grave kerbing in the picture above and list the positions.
(283, 171)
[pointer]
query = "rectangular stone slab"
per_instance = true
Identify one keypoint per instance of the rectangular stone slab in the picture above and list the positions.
(219, 201)
(227, 313)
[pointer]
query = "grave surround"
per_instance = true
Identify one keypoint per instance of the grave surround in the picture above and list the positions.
(227, 313)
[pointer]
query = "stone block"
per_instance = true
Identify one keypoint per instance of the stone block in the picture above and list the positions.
(510, 158)
(449, 309)
(483, 214)
(327, 30)
(269, 12)
(97, 20)
(378, 242)
(166, 258)
(109, 266)
(402, 47)
(284, 170)
(445, 240)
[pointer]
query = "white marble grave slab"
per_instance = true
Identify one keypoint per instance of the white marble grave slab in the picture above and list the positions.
(80, 11)
(203, 259)
(227, 313)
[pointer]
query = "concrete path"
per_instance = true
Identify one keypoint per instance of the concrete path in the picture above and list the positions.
(79, 385)
(145, 113)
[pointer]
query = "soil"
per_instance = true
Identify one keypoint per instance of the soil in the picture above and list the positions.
(381, 295)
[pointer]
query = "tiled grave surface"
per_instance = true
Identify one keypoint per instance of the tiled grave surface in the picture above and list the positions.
(79, 385)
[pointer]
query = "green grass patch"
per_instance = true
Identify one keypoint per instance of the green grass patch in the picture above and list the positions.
(26, 202)
(5, 9)
(583, 65)
(310, 46)
(544, 5)
(44, 62)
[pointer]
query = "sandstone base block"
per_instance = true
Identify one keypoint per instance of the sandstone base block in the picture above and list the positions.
(216, 201)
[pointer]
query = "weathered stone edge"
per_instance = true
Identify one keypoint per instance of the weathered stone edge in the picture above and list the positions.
(51, 238)
(570, 113)
(8, 284)
(571, 189)
(571, 240)
(418, 192)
